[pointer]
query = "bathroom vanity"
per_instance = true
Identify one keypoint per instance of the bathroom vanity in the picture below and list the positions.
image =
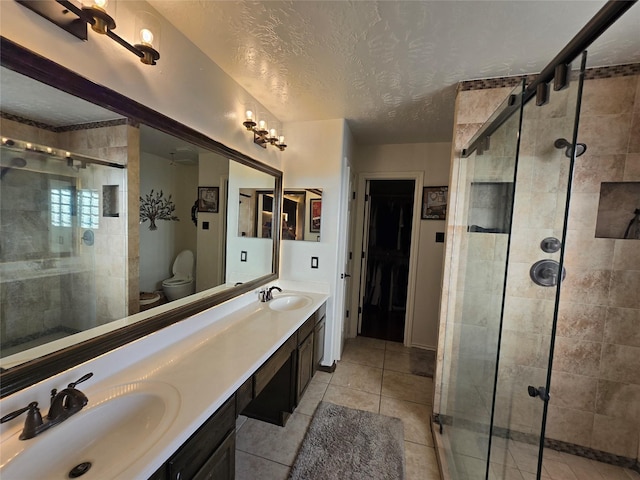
(247, 357)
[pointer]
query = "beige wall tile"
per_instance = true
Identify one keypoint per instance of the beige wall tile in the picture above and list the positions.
(606, 96)
(583, 212)
(581, 321)
(614, 435)
(586, 252)
(591, 170)
(606, 134)
(634, 135)
(588, 286)
(620, 363)
(576, 356)
(620, 400)
(574, 391)
(476, 106)
(569, 425)
(632, 168)
(622, 326)
(626, 254)
(625, 285)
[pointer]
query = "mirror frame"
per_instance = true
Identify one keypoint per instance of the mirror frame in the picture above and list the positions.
(37, 67)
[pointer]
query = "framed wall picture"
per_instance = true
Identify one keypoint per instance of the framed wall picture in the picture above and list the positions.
(434, 203)
(315, 210)
(208, 199)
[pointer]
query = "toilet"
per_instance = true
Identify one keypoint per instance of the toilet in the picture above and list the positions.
(181, 284)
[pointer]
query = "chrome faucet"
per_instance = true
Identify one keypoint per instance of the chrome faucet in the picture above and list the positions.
(64, 404)
(266, 294)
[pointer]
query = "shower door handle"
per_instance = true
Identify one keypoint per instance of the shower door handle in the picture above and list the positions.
(538, 392)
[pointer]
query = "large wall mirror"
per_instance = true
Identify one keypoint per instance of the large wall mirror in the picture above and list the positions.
(116, 221)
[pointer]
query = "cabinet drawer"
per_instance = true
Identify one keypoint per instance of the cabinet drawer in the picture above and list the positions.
(271, 366)
(306, 328)
(195, 452)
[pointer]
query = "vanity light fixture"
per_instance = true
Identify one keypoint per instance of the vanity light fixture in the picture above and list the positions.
(262, 135)
(74, 19)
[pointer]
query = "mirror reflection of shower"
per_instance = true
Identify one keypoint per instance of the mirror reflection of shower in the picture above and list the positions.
(564, 143)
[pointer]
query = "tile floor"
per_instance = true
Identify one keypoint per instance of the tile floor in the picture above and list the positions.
(373, 375)
(513, 460)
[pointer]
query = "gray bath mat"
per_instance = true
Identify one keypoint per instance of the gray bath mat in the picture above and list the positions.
(343, 443)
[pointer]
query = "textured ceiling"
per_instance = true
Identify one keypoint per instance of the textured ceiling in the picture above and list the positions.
(27, 98)
(389, 67)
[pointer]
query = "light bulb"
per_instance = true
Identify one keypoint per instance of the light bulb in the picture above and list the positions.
(5, 139)
(49, 149)
(29, 145)
(146, 36)
(67, 154)
(262, 124)
(101, 3)
(249, 115)
(281, 140)
(273, 133)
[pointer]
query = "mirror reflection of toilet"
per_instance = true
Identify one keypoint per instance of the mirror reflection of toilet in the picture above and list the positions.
(182, 283)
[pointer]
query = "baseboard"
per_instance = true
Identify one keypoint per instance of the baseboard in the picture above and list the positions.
(329, 369)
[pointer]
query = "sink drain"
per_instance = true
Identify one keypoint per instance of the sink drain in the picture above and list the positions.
(80, 470)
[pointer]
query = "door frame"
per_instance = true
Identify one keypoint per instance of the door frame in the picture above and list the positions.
(360, 266)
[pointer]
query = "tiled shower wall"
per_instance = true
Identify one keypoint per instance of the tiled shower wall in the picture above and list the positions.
(596, 375)
(112, 266)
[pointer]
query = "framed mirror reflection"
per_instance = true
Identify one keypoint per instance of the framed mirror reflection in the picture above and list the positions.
(100, 243)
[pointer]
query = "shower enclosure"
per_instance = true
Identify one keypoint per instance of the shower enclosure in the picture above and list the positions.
(62, 219)
(534, 300)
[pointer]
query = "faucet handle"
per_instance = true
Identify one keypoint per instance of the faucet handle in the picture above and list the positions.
(31, 424)
(83, 378)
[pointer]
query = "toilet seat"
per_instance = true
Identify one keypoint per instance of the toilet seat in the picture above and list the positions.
(182, 283)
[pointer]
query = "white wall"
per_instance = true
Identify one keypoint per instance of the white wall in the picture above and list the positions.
(158, 248)
(314, 159)
(213, 170)
(434, 160)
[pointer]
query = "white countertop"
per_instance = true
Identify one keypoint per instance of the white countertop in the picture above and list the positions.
(205, 367)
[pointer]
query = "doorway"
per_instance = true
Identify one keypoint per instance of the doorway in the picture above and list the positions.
(387, 236)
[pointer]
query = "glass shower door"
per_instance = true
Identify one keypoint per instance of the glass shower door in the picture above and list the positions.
(533, 278)
(480, 239)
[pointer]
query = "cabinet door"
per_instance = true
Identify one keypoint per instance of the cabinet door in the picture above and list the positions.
(222, 464)
(318, 349)
(305, 364)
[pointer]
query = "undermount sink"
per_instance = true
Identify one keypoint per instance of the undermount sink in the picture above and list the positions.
(288, 302)
(118, 426)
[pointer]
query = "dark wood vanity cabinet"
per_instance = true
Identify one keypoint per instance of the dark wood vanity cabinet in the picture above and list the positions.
(270, 394)
(305, 365)
(207, 454)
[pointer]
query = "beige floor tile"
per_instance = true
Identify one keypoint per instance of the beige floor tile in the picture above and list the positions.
(632, 474)
(372, 357)
(397, 361)
(415, 418)
(348, 397)
(558, 470)
(407, 387)
(397, 347)
(271, 441)
(324, 377)
(358, 377)
(502, 472)
(420, 462)
(366, 342)
(312, 397)
(251, 467)
(610, 472)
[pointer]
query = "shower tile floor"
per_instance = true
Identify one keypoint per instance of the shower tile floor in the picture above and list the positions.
(519, 461)
(373, 375)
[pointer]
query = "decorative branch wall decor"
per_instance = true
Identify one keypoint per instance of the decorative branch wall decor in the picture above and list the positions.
(156, 207)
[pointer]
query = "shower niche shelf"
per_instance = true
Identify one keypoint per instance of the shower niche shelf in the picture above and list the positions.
(619, 211)
(490, 207)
